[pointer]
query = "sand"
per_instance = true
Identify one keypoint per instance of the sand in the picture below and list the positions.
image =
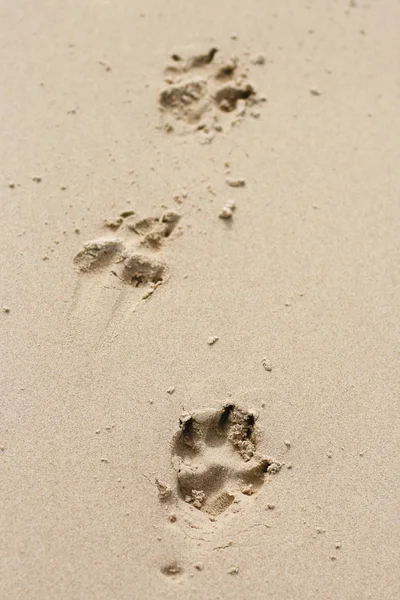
(192, 406)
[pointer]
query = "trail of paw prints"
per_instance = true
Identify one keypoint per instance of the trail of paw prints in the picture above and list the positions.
(119, 271)
(207, 92)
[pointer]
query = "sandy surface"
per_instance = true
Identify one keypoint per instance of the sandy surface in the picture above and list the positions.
(102, 354)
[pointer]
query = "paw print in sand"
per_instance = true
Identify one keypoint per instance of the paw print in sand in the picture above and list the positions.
(215, 458)
(117, 272)
(120, 256)
(206, 92)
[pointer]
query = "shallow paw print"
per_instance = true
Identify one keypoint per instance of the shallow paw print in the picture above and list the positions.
(129, 267)
(119, 255)
(214, 455)
(111, 267)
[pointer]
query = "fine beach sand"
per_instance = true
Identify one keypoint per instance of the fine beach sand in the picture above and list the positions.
(200, 300)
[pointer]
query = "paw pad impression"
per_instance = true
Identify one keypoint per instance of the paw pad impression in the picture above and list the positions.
(215, 458)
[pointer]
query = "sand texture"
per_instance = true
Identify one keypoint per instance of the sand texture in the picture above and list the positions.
(200, 300)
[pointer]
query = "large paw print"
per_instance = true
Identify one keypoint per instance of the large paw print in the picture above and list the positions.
(214, 455)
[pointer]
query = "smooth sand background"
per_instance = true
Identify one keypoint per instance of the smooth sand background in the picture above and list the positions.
(307, 276)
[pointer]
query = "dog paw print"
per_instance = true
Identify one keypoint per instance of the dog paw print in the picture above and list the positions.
(205, 91)
(129, 255)
(117, 272)
(216, 460)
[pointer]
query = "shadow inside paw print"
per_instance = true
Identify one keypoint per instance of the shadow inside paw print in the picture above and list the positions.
(214, 455)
